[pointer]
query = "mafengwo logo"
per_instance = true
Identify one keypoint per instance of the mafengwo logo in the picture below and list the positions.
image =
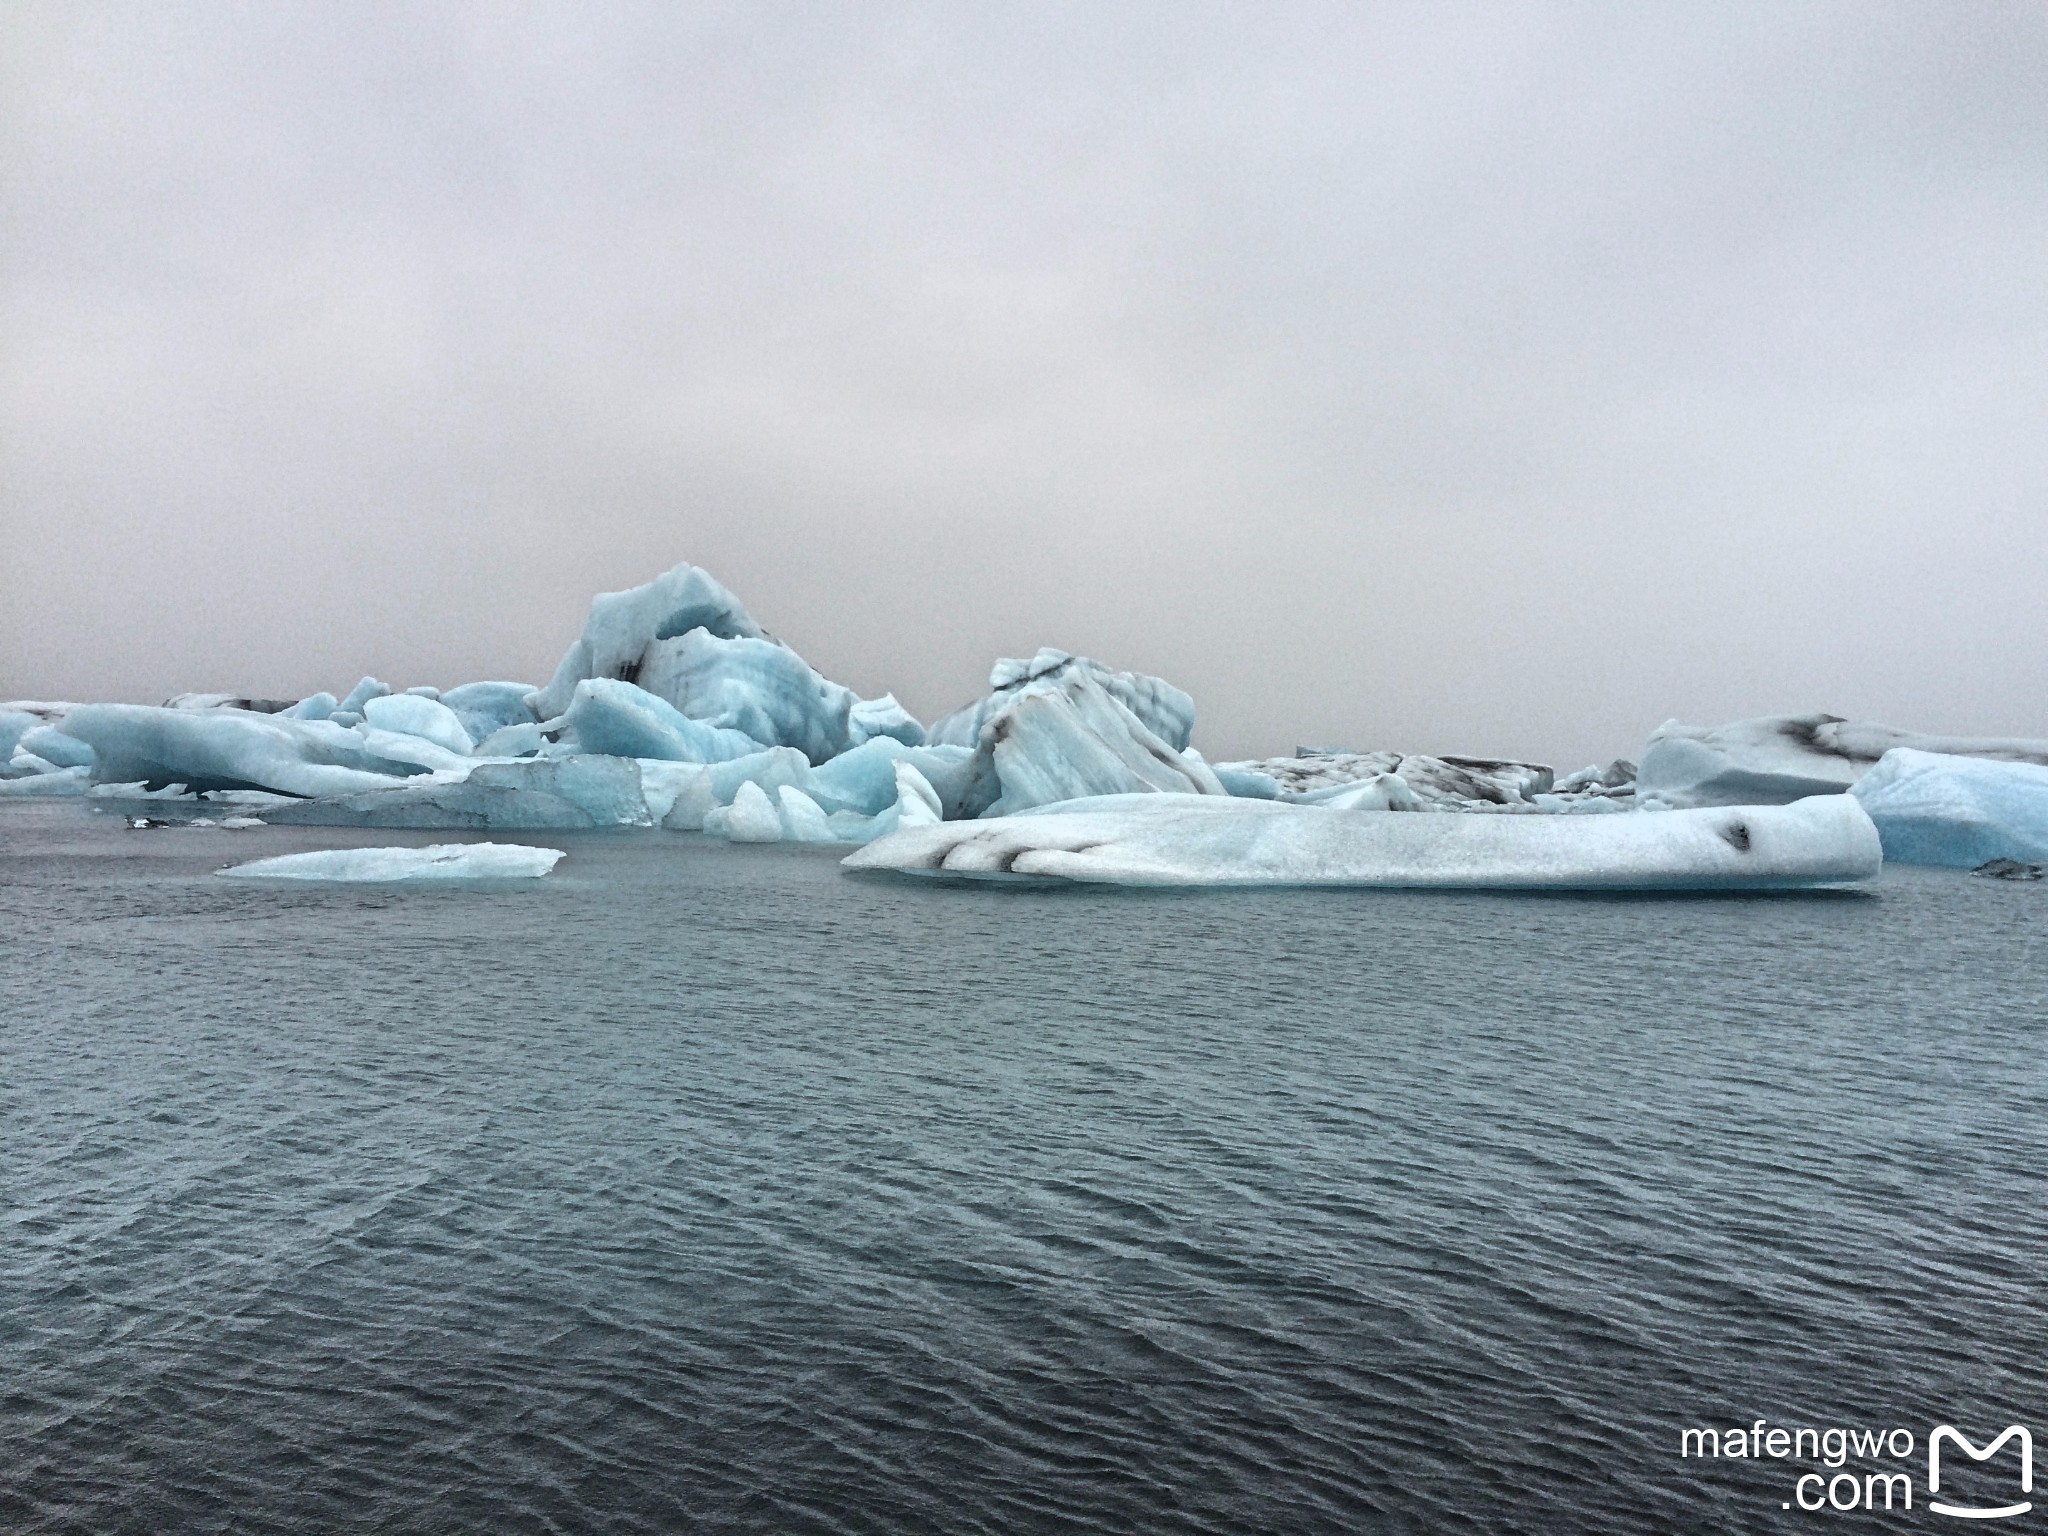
(1839, 1488)
(1955, 1437)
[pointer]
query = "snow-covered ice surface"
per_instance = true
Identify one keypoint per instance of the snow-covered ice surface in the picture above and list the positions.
(439, 862)
(1168, 840)
(1781, 758)
(1935, 808)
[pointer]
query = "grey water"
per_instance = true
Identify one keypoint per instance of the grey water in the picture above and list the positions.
(701, 1188)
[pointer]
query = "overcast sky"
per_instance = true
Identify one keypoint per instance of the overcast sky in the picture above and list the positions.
(1442, 377)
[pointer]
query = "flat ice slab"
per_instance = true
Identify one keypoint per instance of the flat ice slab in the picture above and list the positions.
(442, 861)
(1203, 840)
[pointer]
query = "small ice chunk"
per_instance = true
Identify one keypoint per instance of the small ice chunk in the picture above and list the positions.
(2009, 869)
(751, 818)
(802, 821)
(440, 862)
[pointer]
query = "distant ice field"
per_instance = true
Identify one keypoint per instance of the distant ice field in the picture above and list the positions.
(702, 1187)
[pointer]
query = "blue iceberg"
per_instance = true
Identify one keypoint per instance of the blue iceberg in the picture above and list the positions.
(1960, 812)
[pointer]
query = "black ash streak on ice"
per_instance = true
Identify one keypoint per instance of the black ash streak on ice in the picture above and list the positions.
(704, 1188)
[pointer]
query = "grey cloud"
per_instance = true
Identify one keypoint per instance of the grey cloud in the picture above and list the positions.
(1444, 378)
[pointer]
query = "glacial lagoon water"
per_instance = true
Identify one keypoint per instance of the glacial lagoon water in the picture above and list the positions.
(710, 1188)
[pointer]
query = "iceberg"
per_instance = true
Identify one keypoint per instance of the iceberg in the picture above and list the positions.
(1165, 710)
(59, 748)
(46, 779)
(625, 720)
(1063, 735)
(872, 719)
(538, 794)
(760, 688)
(410, 714)
(227, 701)
(485, 708)
(1176, 840)
(318, 706)
(1315, 775)
(687, 641)
(1958, 812)
(227, 748)
(439, 863)
(791, 815)
(1780, 758)
(14, 724)
(751, 817)
(365, 690)
(624, 627)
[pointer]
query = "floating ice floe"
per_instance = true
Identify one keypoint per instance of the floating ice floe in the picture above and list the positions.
(1171, 840)
(1961, 812)
(1786, 757)
(441, 862)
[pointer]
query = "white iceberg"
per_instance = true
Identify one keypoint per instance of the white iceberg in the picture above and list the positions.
(1063, 735)
(751, 817)
(1172, 840)
(1961, 812)
(441, 862)
(1165, 710)
(1785, 757)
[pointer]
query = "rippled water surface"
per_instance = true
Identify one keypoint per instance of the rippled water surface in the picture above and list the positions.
(703, 1188)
